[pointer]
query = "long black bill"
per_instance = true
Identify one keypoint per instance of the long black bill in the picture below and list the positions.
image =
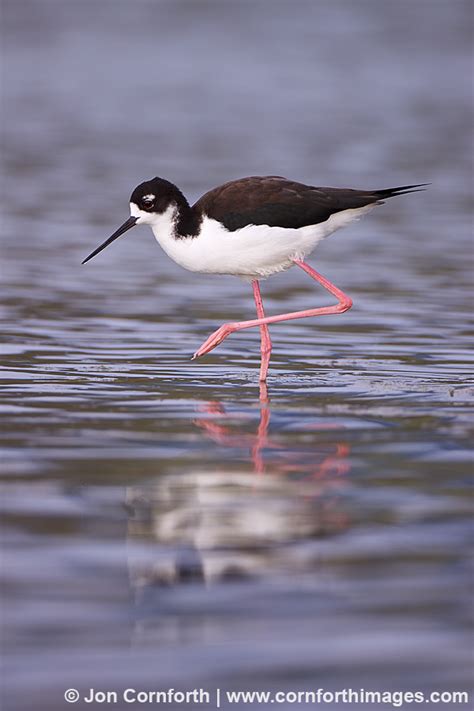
(131, 222)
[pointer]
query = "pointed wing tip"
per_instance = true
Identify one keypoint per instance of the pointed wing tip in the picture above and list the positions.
(402, 190)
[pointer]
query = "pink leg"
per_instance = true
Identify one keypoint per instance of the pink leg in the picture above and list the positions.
(266, 343)
(344, 303)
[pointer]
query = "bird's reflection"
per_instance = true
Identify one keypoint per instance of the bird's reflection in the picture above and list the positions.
(233, 520)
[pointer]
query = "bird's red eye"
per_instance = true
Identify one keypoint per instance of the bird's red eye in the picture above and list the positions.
(148, 202)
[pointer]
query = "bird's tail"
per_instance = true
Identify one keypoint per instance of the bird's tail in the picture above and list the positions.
(402, 190)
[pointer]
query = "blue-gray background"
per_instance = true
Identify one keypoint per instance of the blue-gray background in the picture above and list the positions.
(154, 535)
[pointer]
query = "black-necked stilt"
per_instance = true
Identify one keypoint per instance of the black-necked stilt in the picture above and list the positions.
(251, 228)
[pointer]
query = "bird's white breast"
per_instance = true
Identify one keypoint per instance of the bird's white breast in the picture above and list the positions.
(254, 251)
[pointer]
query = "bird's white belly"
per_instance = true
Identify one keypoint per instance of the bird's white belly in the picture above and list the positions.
(253, 251)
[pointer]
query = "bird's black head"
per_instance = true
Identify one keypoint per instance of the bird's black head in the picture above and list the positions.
(148, 203)
(154, 196)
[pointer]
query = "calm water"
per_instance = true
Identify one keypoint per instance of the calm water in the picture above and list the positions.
(161, 528)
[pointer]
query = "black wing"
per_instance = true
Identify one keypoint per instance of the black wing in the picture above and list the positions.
(278, 202)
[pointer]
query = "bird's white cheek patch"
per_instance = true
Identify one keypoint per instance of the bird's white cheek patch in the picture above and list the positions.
(139, 214)
(161, 222)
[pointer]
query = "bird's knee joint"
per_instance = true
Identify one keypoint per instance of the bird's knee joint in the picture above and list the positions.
(345, 304)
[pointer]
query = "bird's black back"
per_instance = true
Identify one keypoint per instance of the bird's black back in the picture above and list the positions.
(278, 202)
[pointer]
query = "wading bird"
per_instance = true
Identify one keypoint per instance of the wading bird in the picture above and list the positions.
(252, 228)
